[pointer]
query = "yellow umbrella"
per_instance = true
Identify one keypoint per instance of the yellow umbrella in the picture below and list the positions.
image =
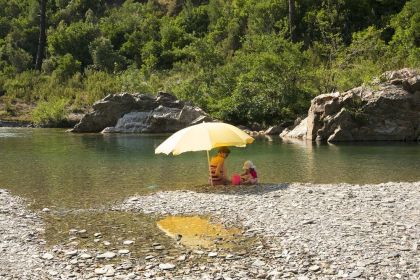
(204, 137)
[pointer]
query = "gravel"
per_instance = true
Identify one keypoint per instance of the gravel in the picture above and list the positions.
(303, 231)
(318, 231)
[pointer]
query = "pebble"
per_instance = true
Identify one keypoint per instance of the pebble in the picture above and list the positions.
(45, 209)
(106, 255)
(123, 251)
(85, 256)
(181, 258)
(128, 242)
(355, 274)
(47, 256)
(295, 235)
(314, 268)
(71, 253)
(212, 254)
(106, 243)
(166, 266)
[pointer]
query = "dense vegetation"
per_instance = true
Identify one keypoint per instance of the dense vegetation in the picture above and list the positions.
(244, 61)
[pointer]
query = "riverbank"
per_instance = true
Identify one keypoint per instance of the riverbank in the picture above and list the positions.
(303, 231)
(314, 231)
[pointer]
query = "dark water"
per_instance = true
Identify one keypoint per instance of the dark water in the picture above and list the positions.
(58, 169)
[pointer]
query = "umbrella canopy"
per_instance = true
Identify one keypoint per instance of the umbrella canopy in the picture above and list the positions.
(204, 137)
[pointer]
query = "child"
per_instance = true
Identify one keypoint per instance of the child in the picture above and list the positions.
(217, 167)
(250, 173)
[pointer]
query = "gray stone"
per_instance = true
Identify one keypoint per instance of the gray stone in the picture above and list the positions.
(140, 113)
(389, 110)
(47, 256)
(106, 255)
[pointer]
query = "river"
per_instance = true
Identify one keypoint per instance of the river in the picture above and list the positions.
(54, 168)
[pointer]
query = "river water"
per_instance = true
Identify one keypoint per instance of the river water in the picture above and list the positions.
(54, 168)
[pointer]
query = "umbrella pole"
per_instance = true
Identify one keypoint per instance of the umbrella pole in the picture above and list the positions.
(208, 164)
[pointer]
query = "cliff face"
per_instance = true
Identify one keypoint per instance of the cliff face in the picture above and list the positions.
(388, 109)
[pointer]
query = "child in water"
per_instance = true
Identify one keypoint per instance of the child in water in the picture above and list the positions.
(250, 173)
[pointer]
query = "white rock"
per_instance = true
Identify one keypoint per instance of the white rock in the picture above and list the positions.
(212, 254)
(166, 266)
(47, 256)
(45, 209)
(107, 243)
(128, 242)
(181, 258)
(123, 251)
(314, 268)
(85, 256)
(71, 253)
(106, 255)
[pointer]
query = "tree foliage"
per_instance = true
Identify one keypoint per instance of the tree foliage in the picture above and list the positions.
(241, 60)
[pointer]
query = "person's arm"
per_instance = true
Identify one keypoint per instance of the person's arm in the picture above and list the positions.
(219, 167)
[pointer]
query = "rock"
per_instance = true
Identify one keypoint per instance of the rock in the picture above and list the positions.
(123, 251)
(355, 274)
(389, 110)
(314, 268)
(106, 255)
(85, 256)
(71, 253)
(97, 234)
(181, 258)
(140, 113)
(166, 266)
(212, 254)
(106, 243)
(106, 270)
(258, 263)
(45, 210)
(277, 129)
(47, 256)
(128, 242)
(297, 131)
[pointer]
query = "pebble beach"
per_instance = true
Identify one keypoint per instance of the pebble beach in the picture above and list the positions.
(299, 231)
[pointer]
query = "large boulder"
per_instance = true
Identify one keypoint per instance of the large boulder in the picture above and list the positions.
(298, 130)
(387, 110)
(140, 113)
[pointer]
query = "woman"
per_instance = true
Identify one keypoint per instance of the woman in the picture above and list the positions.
(217, 167)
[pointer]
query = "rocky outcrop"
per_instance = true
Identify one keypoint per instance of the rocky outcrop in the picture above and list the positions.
(140, 113)
(386, 110)
(297, 131)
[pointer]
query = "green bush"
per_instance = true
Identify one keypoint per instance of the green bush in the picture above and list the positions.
(50, 113)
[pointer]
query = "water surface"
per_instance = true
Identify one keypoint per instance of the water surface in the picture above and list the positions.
(57, 169)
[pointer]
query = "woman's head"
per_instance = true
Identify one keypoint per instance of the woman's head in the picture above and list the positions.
(224, 151)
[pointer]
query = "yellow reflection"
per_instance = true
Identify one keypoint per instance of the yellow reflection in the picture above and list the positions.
(196, 231)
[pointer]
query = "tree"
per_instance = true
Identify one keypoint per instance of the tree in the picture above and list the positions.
(42, 35)
(292, 25)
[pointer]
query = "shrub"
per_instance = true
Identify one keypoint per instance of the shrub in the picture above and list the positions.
(50, 113)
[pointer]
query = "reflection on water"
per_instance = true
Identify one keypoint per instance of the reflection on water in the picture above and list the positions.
(197, 231)
(62, 170)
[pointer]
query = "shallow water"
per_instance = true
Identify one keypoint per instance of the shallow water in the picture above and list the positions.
(61, 170)
(195, 231)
